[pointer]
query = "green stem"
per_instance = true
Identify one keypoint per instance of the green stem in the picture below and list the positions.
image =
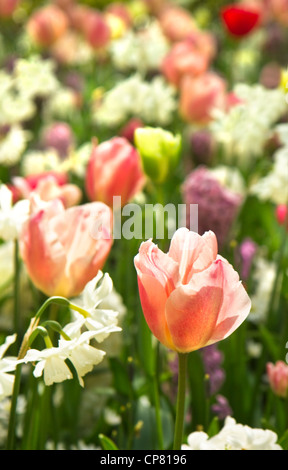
(16, 288)
(12, 418)
(179, 424)
(157, 403)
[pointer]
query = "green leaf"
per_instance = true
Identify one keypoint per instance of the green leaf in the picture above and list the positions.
(107, 443)
(283, 441)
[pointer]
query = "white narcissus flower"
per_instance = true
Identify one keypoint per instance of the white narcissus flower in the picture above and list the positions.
(12, 217)
(102, 321)
(50, 363)
(12, 145)
(7, 365)
(233, 436)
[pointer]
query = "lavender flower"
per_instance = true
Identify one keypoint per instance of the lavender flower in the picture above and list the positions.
(246, 252)
(221, 408)
(217, 205)
(212, 360)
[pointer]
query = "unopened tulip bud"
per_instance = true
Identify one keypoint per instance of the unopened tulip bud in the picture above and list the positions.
(278, 378)
(159, 150)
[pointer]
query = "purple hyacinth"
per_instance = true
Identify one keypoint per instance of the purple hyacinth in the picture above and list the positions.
(218, 206)
(246, 253)
(212, 360)
(221, 408)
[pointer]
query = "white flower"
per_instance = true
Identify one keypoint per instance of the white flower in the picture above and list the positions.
(7, 365)
(12, 217)
(154, 102)
(274, 186)
(35, 77)
(100, 320)
(34, 161)
(50, 363)
(233, 436)
(12, 145)
(141, 50)
(263, 276)
(229, 177)
(244, 130)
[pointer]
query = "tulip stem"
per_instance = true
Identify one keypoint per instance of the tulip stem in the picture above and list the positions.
(12, 418)
(180, 407)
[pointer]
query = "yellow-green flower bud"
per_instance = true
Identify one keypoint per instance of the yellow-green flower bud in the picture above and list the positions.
(159, 150)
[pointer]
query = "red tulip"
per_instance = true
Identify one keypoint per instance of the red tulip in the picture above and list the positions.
(114, 169)
(57, 247)
(240, 20)
(191, 297)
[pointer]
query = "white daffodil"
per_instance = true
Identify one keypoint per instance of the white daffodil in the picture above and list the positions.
(12, 217)
(50, 363)
(233, 436)
(7, 365)
(101, 321)
(82, 355)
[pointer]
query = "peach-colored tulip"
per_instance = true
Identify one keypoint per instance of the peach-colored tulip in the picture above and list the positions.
(48, 188)
(114, 169)
(7, 7)
(58, 249)
(278, 378)
(200, 95)
(191, 297)
(47, 25)
(176, 23)
(183, 59)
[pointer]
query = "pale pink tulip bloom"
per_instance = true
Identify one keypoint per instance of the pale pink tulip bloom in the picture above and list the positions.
(48, 187)
(57, 246)
(114, 169)
(200, 95)
(278, 378)
(191, 297)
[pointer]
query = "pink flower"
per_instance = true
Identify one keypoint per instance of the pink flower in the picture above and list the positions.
(60, 137)
(57, 247)
(200, 95)
(7, 7)
(176, 23)
(47, 25)
(282, 214)
(96, 30)
(191, 297)
(278, 378)
(184, 58)
(48, 186)
(114, 169)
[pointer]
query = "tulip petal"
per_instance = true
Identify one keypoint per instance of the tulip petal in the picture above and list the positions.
(153, 300)
(236, 303)
(193, 252)
(152, 261)
(191, 316)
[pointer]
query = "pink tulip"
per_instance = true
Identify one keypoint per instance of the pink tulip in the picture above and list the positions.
(57, 247)
(7, 7)
(114, 169)
(200, 95)
(47, 25)
(191, 297)
(183, 59)
(278, 378)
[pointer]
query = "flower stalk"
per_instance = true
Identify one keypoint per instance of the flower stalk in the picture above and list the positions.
(180, 407)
